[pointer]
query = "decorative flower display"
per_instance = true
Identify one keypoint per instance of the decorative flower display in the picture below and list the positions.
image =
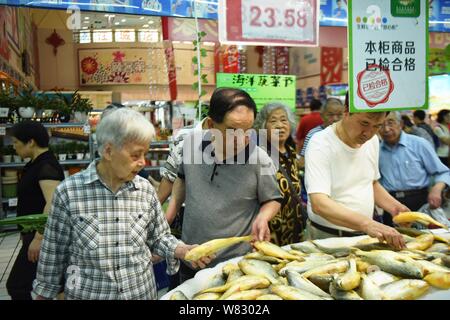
(119, 77)
(89, 65)
(118, 56)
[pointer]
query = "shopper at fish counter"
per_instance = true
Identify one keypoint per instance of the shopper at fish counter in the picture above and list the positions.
(342, 181)
(40, 177)
(288, 224)
(232, 190)
(106, 222)
(441, 130)
(407, 165)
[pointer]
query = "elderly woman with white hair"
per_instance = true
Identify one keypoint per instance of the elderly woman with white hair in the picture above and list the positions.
(106, 222)
(287, 226)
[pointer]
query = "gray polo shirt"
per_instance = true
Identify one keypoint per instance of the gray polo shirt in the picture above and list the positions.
(222, 200)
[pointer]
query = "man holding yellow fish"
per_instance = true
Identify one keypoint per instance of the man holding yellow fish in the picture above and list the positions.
(407, 164)
(342, 181)
(226, 194)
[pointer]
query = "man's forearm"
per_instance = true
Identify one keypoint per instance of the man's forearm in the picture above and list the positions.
(164, 190)
(177, 199)
(383, 199)
(338, 214)
(269, 209)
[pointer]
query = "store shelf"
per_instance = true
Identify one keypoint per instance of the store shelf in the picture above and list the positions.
(160, 143)
(68, 162)
(159, 150)
(51, 125)
(67, 135)
(152, 168)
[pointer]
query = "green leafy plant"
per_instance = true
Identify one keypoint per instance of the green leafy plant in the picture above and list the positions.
(202, 77)
(74, 103)
(28, 98)
(33, 222)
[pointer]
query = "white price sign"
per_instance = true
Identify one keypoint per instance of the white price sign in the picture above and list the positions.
(268, 18)
(2, 131)
(4, 112)
(12, 202)
(269, 22)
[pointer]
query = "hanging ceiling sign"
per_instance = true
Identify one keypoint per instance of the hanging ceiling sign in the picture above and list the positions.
(170, 8)
(269, 22)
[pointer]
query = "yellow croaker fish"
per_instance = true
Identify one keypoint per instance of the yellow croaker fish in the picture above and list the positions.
(393, 263)
(405, 289)
(178, 295)
(291, 293)
(322, 281)
(207, 296)
(439, 247)
(331, 267)
(269, 297)
(259, 268)
(439, 280)
(228, 268)
(226, 286)
(261, 256)
(343, 295)
(380, 278)
(430, 267)
(252, 282)
(297, 281)
(233, 275)
(297, 253)
(422, 242)
(422, 218)
(414, 232)
(362, 265)
(350, 279)
(248, 294)
(273, 250)
(213, 246)
(370, 291)
(306, 247)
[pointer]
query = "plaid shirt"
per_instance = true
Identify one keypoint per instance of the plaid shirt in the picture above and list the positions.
(102, 242)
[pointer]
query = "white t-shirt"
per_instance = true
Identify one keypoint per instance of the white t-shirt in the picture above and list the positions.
(343, 173)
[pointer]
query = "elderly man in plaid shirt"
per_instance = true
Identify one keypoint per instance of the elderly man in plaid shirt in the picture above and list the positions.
(106, 222)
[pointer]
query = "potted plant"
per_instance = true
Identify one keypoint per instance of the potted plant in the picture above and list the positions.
(29, 102)
(80, 151)
(8, 106)
(80, 107)
(61, 149)
(8, 152)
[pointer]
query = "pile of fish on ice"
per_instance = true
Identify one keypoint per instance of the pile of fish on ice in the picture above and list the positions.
(358, 268)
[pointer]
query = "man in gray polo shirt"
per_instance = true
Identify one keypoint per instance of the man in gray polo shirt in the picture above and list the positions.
(226, 194)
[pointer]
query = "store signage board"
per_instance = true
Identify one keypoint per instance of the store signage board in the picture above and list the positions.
(269, 22)
(263, 88)
(388, 49)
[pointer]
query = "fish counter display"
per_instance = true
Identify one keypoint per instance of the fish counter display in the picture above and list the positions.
(353, 268)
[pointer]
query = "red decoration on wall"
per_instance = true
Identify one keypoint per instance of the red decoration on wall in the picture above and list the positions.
(331, 65)
(55, 40)
(230, 60)
(170, 59)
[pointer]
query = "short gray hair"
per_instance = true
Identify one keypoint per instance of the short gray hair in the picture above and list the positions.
(329, 102)
(121, 126)
(264, 113)
(397, 115)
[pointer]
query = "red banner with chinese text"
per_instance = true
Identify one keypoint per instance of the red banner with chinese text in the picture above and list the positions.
(331, 65)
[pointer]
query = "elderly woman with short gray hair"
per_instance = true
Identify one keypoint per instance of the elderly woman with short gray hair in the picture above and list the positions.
(106, 222)
(287, 226)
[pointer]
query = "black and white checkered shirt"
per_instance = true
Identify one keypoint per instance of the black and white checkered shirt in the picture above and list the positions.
(102, 242)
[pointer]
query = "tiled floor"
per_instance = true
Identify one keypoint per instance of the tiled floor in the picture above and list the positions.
(9, 248)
